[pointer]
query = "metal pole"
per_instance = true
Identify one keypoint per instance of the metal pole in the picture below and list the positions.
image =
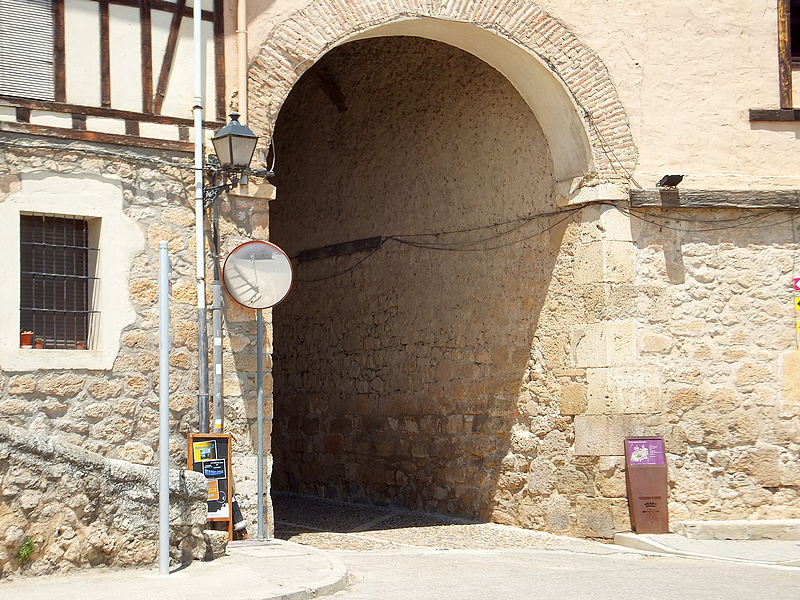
(163, 407)
(199, 225)
(241, 36)
(216, 311)
(260, 409)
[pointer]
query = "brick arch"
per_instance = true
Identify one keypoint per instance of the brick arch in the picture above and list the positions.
(570, 92)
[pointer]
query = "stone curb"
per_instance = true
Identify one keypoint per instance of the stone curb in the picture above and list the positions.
(646, 543)
(779, 529)
(334, 582)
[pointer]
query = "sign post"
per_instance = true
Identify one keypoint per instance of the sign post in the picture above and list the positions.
(258, 275)
(163, 409)
(646, 475)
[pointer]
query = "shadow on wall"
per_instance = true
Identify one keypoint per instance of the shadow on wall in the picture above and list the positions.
(397, 369)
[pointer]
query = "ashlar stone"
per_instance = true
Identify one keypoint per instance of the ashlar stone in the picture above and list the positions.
(762, 463)
(65, 385)
(623, 390)
(603, 344)
(21, 384)
(604, 261)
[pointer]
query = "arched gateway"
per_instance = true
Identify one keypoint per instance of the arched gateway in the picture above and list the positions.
(465, 128)
(566, 84)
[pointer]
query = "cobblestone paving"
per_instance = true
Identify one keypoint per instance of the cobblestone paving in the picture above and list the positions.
(333, 525)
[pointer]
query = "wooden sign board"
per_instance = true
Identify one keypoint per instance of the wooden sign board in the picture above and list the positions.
(210, 454)
(646, 476)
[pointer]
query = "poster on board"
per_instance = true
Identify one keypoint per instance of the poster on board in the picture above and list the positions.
(209, 454)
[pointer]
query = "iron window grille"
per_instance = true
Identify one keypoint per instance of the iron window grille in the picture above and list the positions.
(57, 280)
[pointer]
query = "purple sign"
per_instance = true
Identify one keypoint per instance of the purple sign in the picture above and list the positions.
(645, 452)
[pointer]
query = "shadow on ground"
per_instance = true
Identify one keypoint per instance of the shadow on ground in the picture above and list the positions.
(336, 525)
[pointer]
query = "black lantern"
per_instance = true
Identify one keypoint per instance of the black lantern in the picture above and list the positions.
(234, 145)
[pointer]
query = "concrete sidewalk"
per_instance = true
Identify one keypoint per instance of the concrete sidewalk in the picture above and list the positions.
(251, 570)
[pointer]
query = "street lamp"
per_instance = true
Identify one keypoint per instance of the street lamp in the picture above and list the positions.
(234, 145)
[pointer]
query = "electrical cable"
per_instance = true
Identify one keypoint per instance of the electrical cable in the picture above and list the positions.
(743, 222)
(466, 247)
(749, 221)
(347, 270)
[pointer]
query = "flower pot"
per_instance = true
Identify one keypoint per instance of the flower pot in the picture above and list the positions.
(26, 339)
(79, 346)
(38, 344)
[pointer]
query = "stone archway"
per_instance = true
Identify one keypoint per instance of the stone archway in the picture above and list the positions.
(564, 82)
(588, 139)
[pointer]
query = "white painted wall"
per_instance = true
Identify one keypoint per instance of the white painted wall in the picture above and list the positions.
(180, 90)
(82, 52)
(688, 73)
(125, 36)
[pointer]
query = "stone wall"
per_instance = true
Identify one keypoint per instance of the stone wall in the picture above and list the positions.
(114, 411)
(677, 325)
(80, 509)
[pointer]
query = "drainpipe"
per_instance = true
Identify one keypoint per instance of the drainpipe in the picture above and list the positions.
(199, 226)
(241, 37)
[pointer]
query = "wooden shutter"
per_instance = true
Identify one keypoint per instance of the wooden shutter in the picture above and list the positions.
(26, 49)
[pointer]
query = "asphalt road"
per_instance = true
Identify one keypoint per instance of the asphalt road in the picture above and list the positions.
(393, 554)
(540, 574)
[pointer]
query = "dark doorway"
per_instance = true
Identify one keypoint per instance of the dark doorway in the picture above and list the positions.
(398, 361)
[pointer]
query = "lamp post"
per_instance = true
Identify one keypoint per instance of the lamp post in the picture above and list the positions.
(234, 145)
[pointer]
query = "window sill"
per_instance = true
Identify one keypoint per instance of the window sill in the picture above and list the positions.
(29, 359)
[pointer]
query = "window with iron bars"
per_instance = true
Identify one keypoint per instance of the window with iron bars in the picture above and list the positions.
(57, 266)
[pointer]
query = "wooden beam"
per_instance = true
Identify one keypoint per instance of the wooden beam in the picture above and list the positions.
(147, 55)
(97, 111)
(105, 55)
(163, 6)
(132, 128)
(60, 66)
(219, 59)
(774, 114)
(678, 198)
(343, 249)
(784, 54)
(169, 56)
(94, 136)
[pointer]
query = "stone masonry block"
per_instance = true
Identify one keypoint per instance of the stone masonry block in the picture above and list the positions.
(604, 435)
(601, 517)
(623, 390)
(573, 399)
(604, 262)
(790, 384)
(603, 344)
(611, 224)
